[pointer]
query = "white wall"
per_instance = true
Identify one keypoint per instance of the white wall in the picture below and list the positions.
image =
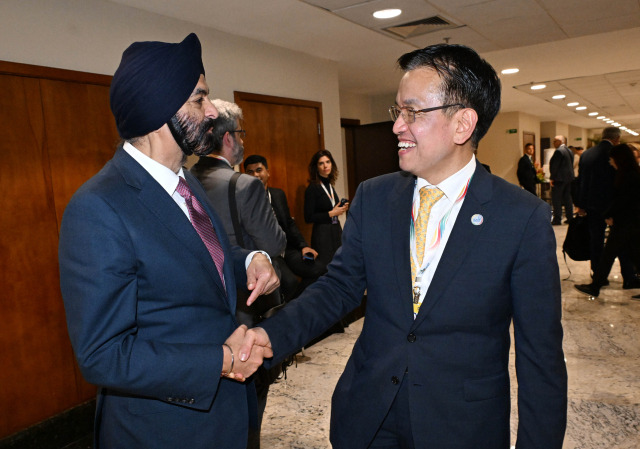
(577, 137)
(380, 105)
(90, 36)
(355, 106)
(501, 150)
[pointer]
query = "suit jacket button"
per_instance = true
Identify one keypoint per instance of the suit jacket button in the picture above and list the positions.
(395, 380)
(411, 337)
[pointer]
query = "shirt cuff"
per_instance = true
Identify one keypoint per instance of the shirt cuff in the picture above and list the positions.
(250, 258)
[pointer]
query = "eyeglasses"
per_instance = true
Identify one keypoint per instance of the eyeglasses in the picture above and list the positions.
(242, 133)
(409, 114)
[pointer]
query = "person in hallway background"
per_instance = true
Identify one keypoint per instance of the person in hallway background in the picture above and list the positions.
(148, 275)
(561, 169)
(595, 190)
(446, 253)
(322, 206)
(577, 152)
(299, 258)
(527, 173)
(623, 218)
(258, 228)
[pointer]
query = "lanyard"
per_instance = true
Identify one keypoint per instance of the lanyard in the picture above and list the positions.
(431, 250)
(331, 198)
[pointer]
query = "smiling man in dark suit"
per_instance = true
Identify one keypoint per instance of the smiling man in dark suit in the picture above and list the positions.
(147, 273)
(450, 256)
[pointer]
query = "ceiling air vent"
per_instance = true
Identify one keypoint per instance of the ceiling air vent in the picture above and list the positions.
(420, 27)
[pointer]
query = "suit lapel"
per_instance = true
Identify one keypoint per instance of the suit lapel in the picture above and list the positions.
(400, 204)
(462, 239)
(167, 212)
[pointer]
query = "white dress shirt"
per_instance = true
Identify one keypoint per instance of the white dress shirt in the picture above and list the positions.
(452, 188)
(169, 180)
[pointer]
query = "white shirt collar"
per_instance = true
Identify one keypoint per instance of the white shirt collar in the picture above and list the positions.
(222, 158)
(452, 186)
(162, 174)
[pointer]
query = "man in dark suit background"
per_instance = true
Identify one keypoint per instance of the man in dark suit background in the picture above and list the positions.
(595, 190)
(527, 170)
(430, 368)
(561, 170)
(299, 258)
(148, 275)
(260, 229)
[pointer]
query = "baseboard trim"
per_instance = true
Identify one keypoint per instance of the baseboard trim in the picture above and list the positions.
(56, 432)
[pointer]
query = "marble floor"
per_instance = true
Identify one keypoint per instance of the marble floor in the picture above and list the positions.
(603, 361)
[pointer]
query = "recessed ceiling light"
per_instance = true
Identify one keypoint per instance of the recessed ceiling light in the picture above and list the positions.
(510, 71)
(616, 124)
(593, 113)
(581, 108)
(387, 13)
(601, 117)
(623, 128)
(538, 86)
(574, 103)
(609, 121)
(558, 97)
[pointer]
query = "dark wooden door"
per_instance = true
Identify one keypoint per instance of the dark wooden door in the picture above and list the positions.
(57, 131)
(287, 132)
(374, 152)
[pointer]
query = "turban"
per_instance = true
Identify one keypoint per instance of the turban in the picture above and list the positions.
(152, 82)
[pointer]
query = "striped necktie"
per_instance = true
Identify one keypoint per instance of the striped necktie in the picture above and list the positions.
(202, 224)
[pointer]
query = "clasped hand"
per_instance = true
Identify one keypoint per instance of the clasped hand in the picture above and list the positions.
(249, 348)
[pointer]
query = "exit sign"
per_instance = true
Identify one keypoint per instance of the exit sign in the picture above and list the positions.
(512, 131)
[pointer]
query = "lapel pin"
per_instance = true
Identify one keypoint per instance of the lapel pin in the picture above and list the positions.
(477, 220)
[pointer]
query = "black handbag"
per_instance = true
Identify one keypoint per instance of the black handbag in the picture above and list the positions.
(576, 243)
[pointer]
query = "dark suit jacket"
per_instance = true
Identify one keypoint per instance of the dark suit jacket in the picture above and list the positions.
(595, 178)
(527, 174)
(147, 313)
(295, 240)
(561, 165)
(259, 226)
(456, 352)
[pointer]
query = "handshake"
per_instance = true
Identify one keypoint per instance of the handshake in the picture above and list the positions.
(244, 352)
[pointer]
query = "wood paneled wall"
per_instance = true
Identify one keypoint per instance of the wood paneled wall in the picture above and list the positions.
(57, 131)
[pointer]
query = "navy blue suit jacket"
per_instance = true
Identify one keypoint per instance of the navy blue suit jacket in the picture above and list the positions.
(147, 313)
(456, 352)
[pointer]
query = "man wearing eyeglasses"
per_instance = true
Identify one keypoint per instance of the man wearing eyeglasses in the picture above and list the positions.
(450, 256)
(257, 223)
(260, 230)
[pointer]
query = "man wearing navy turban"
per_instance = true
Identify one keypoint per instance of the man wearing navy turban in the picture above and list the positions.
(148, 276)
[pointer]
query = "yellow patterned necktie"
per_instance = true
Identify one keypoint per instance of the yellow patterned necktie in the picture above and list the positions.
(428, 197)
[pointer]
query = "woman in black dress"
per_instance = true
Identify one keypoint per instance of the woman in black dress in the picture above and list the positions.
(623, 217)
(322, 206)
